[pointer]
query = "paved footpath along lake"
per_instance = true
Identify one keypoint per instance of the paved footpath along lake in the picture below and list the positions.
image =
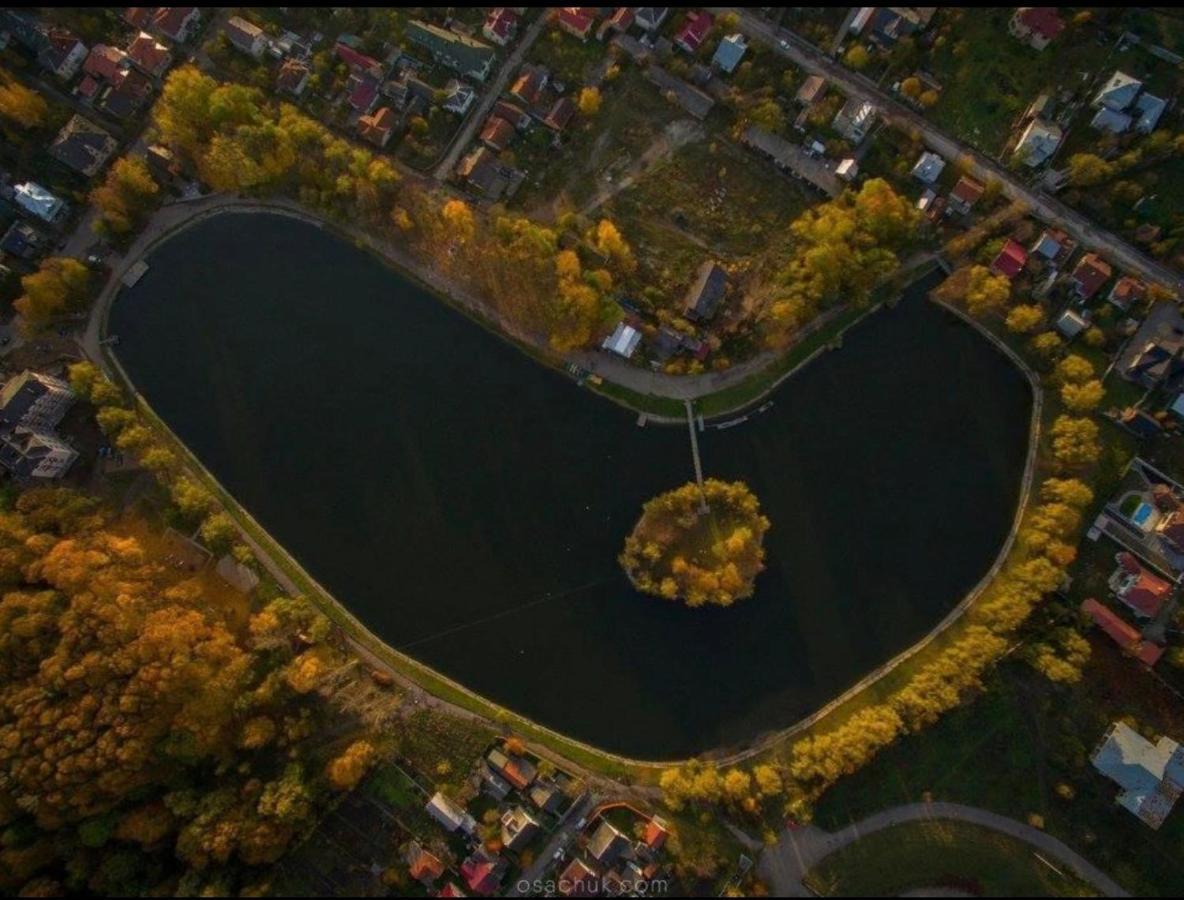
(469, 504)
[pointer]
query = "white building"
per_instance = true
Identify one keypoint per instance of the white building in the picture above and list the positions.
(623, 341)
(37, 201)
(1151, 775)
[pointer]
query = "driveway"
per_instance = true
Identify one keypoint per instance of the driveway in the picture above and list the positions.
(1041, 205)
(509, 67)
(784, 865)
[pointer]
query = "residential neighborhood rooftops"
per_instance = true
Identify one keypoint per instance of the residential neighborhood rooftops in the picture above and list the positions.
(1090, 273)
(1119, 91)
(465, 55)
(1011, 259)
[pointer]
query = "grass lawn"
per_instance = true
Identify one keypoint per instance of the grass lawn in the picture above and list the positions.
(953, 855)
(1012, 748)
(633, 113)
(719, 193)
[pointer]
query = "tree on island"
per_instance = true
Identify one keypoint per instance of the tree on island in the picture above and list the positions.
(679, 552)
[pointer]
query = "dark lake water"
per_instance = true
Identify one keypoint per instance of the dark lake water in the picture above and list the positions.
(468, 504)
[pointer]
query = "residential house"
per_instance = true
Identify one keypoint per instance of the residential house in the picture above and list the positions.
(965, 195)
(887, 25)
(83, 146)
(1037, 26)
(517, 770)
(31, 407)
(465, 55)
(149, 55)
(693, 31)
(500, 26)
(377, 127)
(1122, 101)
(576, 20)
(1126, 292)
(39, 202)
(1053, 246)
(423, 866)
(855, 119)
(177, 23)
(928, 168)
(545, 794)
(1118, 93)
(245, 36)
(1090, 273)
(607, 844)
(481, 171)
(618, 23)
(1151, 775)
(518, 828)
(729, 53)
(561, 113)
(1126, 636)
(579, 880)
(650, 18)
(163, 163)
(31, 455)
(363, 92)
(847, 169)
(34, 400)
(791, 157)
(458, 97)
(706, 292)
(23, 241)
(624, 340)
(1144, 593)
(497, 134)
(450, 816)
(811, 91)
(293, 77)
(358, 63)
(1140, 423)
(1157, 361)
(1170, 525)
(656, 833)
(515, 115)
(1038, 142)
(493, 784)
(1011, 259)
(482, 872)
(530, 84)
(1071, 323)
(61, 53)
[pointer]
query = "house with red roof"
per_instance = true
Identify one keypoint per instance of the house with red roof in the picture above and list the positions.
(965, 194)
(105, 63)
(656, 832)
(177, 23)
(577, 20)
(497, 134)
(139, 16)
(694, 31)
(1089, 275)
(561, 113)
(149, 55)
(377, 128)
(363, 92)
(1036, 26)
(423, 866)
(1144, 593)
(450, 890)
(1122, 633)
(529, 86)
(1127, 291)
(1011, 259)
(501, 25)
(618, 23)
(359, 63)
(293, 77)
(483, 872)
(578, 880)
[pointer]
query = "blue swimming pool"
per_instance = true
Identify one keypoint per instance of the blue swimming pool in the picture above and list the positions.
(1142, 514)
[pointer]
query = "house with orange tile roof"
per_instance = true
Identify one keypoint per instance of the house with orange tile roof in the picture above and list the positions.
(1144, 593)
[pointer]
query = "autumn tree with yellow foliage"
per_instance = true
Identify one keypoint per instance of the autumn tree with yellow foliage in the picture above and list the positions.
(678, 551)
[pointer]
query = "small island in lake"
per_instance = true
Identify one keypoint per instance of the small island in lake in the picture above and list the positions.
(698, 545)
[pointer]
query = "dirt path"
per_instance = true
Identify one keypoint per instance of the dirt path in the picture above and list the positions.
(675, 135)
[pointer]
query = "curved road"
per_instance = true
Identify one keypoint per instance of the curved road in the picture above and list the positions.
(1042, 205)
(784, 865)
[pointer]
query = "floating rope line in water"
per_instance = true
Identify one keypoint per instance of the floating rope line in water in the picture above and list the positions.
(539, 601)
